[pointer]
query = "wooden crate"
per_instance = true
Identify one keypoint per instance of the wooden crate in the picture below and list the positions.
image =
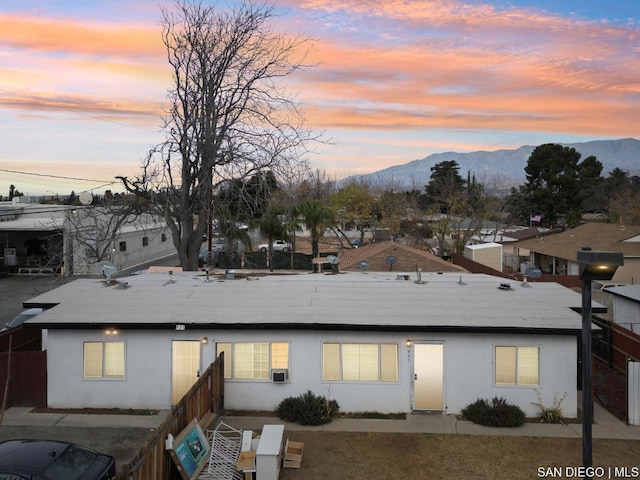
(293, 454)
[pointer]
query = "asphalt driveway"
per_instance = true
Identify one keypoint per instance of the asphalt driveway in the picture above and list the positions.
(122, 443)
(17, 289)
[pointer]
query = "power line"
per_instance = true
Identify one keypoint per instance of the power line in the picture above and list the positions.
(58, 176)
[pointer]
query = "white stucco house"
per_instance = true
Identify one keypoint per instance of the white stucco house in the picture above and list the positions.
(72, 239)
(626, 306)
(372, 341)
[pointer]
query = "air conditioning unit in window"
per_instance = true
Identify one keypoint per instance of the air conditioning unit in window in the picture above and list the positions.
(280, 375)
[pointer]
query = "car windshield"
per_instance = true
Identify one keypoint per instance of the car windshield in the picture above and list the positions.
(19, 320)
(70, 464)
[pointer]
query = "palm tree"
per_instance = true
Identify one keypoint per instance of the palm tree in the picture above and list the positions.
(271, 228)
(317, 217)
(290, 228)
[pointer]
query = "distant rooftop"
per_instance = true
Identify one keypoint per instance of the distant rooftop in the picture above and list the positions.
(632, 292)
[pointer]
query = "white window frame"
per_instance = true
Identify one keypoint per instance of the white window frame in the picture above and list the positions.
(274, 361)
(517, 373)
(104, 367)
(361, 371)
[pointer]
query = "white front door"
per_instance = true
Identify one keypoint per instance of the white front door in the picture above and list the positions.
(185, 361)
(428, 376)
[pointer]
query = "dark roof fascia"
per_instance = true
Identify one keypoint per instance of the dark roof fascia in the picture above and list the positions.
(602, 310)
(44, 306)
(314, 327)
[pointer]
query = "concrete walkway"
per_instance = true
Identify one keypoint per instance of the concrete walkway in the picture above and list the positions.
(23, 416)
(605, 426)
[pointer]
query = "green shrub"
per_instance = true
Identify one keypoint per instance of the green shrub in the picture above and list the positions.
(308, 409)
(498, 413)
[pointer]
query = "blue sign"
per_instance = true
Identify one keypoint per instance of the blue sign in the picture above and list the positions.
(191, 448)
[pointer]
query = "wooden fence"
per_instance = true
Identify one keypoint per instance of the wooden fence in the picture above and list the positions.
(27, 381)
(24, 364)
(153, 462)
(626, 345)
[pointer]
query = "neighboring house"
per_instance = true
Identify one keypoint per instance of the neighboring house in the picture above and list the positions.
(377, 257)
(52, 239)
(626, 306)
(31, 236)
(508, 238)
(372, 341)
(557, 253)
(138, 241)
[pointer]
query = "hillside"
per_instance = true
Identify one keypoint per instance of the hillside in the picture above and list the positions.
(505, 168)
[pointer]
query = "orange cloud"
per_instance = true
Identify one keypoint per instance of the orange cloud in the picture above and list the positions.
(479, 69)
(92, 40)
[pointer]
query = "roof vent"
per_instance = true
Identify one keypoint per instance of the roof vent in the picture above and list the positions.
(171, 280)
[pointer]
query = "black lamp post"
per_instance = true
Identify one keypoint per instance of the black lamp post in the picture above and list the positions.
(593, 266)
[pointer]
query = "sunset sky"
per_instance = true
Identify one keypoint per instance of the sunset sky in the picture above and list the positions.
(83, 82)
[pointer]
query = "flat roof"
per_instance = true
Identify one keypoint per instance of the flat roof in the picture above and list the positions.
(347, 301)
(32, 217)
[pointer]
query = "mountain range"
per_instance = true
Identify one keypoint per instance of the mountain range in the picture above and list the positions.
(503, 168)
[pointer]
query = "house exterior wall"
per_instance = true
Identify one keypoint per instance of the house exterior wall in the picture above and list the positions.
(468, 370)
(629, 272)
(135, 252)
(148, 372)
(489, 256)
(626, 313)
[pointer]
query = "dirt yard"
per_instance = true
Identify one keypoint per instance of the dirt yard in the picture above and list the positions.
(385, 456)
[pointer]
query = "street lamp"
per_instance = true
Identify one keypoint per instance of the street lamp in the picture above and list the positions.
(593, 266)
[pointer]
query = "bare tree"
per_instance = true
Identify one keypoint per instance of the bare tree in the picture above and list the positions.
(230, 116)
(92, 231)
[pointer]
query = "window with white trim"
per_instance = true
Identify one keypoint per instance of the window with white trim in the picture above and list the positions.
(253, 361)
(360, 362)
(103, 360)
(517, 365)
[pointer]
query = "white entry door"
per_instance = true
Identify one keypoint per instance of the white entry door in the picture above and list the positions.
(185, 361)
(428, 376)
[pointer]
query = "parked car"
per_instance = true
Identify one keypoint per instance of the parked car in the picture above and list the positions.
(22, 317)
(278, 246)
(604, 286)
(52, 460)
(220, 245)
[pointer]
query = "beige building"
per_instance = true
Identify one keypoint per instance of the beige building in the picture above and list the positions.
(489, 254)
